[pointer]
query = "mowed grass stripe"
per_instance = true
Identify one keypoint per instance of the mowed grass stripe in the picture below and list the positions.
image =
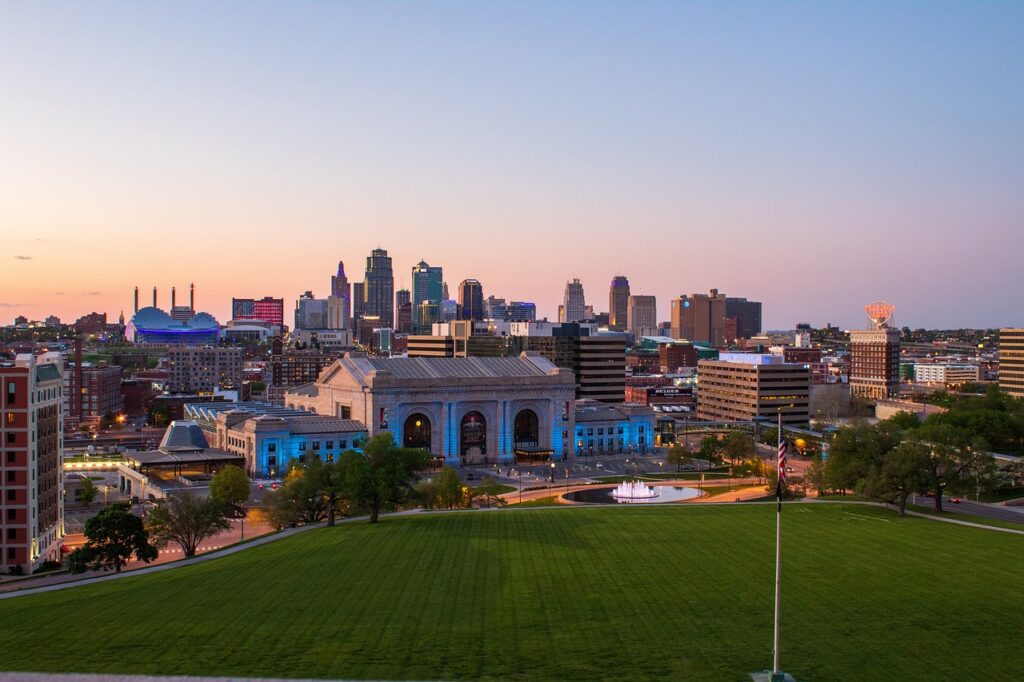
(596, 593)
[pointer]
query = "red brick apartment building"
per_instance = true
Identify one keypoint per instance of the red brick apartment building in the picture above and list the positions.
(31, 452)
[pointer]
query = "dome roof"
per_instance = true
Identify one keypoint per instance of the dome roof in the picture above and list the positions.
(202, 321)
(152, 318)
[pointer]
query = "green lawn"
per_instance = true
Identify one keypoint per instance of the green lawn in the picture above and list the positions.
(671, 593)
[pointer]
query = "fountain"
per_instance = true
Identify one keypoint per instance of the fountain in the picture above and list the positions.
(634, 490)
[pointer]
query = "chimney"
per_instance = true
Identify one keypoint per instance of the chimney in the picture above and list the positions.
(192, 297)
(154, 297)
(136, 299)
(174, 297)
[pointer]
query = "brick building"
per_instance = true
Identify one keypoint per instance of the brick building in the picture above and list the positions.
(31, 454)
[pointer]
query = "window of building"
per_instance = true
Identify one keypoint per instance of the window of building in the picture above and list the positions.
(271, 461)
(10, 439)
(620, 431)
(330, 445)
(272, 447)
(600, 431)
(10, 417)
(316, 445)
(302, 446)
(345, 411)
(590, 432)
(342, 444)
(10, 477)
(11, 391)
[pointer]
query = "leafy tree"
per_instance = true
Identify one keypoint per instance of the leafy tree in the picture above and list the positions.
(88, 492)
(738, 446)
(112, 537)
(903, 421)
(815, 476)
(187, 520)
(448, 488)
(382, 476)
(678, 455)
(230, 487)
(710, 449)
(854, 451)
(903, 471)
(489, 491)
(954, 460)
(302, 499)
(426, 492)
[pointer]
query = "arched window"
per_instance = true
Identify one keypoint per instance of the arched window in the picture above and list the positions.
(473, 433)
(416, 432)
(527, 429)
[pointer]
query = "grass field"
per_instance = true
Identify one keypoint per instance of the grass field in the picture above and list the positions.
(669, 593)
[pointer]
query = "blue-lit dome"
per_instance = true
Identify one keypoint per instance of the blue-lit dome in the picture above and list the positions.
(150, 325)
(202, 321)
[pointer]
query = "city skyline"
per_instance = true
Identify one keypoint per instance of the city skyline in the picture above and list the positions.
(854, 153)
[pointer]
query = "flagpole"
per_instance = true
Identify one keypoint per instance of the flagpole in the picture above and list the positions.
(778, 545)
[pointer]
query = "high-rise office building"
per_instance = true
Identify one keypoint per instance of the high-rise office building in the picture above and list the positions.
(379, 288)
(427, 288)
(700, 317)
(266, 309)
(747, 315)
(471, 300)
(875, 362)
(358, 303)
(748, 386)
(642, 315)
(31, 482)
(340, 289)
(574, 306)
(1011, 361)
(618, 303)
(403, 311)
(310, 312)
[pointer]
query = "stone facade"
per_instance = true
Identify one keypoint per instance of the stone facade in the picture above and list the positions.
(464, 410)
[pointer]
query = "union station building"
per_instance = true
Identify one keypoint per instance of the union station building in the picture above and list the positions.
(474, 410)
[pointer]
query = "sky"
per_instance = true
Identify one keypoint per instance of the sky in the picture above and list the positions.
(815, 156)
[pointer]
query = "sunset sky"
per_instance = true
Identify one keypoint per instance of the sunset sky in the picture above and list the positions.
(814, 156)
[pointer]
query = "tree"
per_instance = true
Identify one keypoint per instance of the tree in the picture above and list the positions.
(953, 461)
(382, 476)
(187, 520)
(448, 488)
(815, 476)
(738, 446)
(304, 497)
(678, 455)
(854, 451)
(489, 491)
(112, 537)
(710, 449)
(902, 472)
(88, 492)
(230, 487)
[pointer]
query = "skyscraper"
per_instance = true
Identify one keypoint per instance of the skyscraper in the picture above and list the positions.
(471, 300)
(1011, 361)
(573, 305)
(618, 303)
(427, 287)
(358, 303)
(875, 355)
(379, 288)
(340, 290)
(747, 314)
(642, 315)
(700, 317)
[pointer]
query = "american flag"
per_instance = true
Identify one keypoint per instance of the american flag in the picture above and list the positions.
(782, 466)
